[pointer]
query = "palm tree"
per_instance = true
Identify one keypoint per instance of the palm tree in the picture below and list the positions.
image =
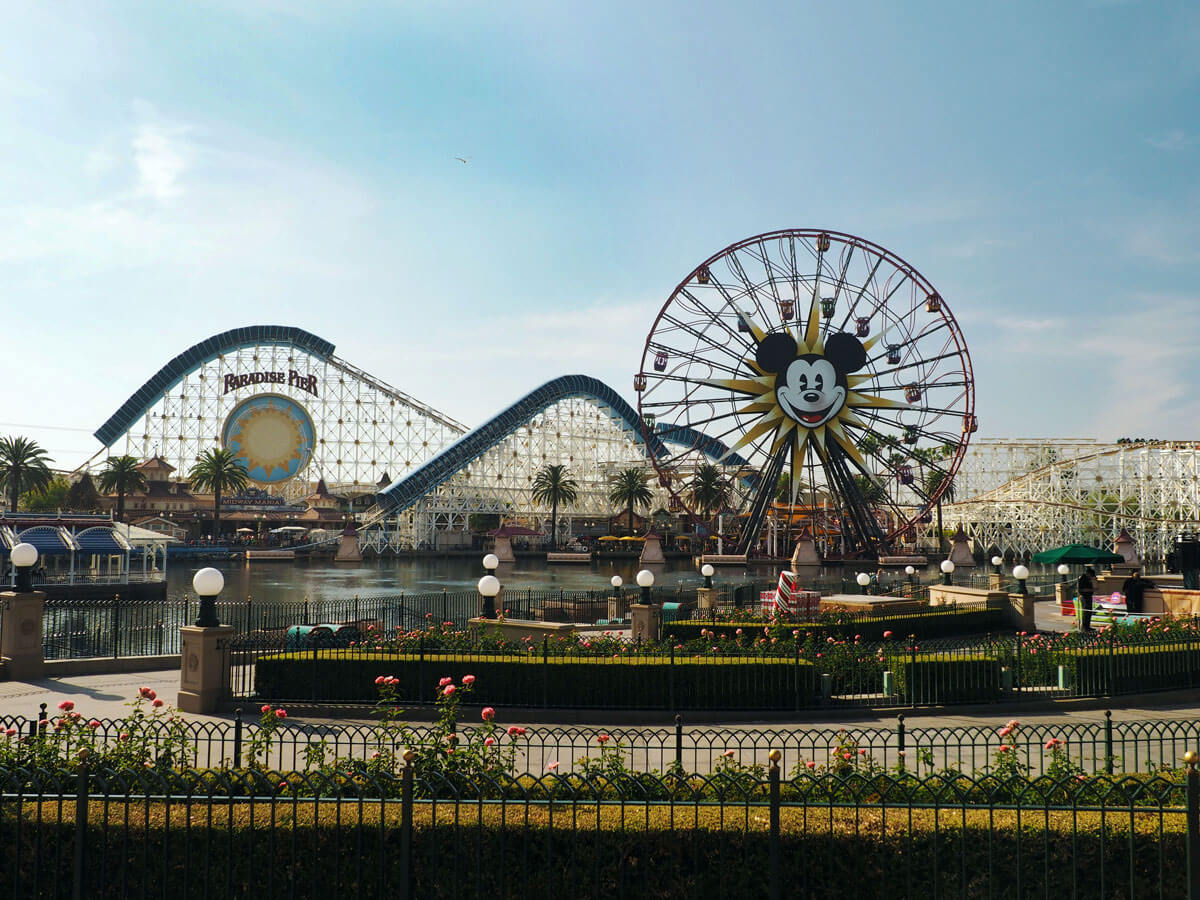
(217, 471)
(554, 485)
(122, 476)
(629, 490)
(708, 488)
(22, 468)
(932, 481)
(871, 489)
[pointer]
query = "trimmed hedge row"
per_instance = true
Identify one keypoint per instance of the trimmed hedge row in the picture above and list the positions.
(936, 623)
(724, 682)
(931, 681)
(196, 849)
(563, 681)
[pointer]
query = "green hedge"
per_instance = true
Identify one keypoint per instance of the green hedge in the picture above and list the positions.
(932, 680)
(651, 854)
(1131, 669)
(937, 622)
(652, 682)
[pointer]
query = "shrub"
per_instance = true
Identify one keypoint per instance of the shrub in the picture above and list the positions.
(636, 681)
(930, 679)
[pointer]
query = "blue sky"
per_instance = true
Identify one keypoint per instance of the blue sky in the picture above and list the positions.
(174, 170)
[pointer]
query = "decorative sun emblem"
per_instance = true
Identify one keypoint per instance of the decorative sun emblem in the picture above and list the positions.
(805, 390)
(271, 435)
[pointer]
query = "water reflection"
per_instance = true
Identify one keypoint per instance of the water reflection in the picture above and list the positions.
(279, 581)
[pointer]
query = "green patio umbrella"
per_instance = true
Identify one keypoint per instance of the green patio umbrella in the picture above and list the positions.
(1080, 554)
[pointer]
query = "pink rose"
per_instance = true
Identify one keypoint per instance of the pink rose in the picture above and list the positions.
(95, 723)
(488, 714)
(66, 705)
(847, 756)
(123, 736)
(9, 732)
(448, 690)
(157, 702)
(552, 767)
(728, 754)
(281, 713)
(602, 739)
(265, 708)
(810, 764)
(887, 634)
(487, 742)
(379, 680)
(445, 681)
(512, 730)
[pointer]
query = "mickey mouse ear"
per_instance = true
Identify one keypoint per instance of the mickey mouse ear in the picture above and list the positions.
(775, 351)
(845, 351)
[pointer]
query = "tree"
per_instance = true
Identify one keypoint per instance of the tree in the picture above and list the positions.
(871, 489)
(630, 490)
(932, 481)
(708, 488)
(83, 496)
(48, 498)
(22, 468)
(122, 476)
(217, 471)
(554, 485)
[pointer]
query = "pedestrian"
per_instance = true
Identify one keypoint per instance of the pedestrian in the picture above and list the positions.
(1134, 590)
(1086, 587)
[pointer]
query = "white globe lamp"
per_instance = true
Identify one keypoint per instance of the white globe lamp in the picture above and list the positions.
(207, 583)
(24, 557)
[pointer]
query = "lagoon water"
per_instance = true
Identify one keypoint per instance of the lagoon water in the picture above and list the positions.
(326, 580)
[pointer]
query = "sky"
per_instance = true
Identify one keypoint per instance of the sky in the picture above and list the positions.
(173, 170)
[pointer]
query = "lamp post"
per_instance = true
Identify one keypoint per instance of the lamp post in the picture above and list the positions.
(863, 580)
(947, 570)
(489, 587)
(207, 584)
(707, 571)
(911, 573)
(645, 580)
(24, 558)
(1063, 570)
(616, 583)
(1020, 573)
(997, 562)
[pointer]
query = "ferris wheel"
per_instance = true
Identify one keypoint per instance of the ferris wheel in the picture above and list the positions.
(812, 372)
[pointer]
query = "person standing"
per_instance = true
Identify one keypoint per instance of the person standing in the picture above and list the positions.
(1086, 588)
(1134, 590)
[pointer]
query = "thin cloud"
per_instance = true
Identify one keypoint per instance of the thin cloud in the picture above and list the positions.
(1175, 139)
(159, 157)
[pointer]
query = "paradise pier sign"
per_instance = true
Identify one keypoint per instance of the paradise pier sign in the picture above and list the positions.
(292, 378)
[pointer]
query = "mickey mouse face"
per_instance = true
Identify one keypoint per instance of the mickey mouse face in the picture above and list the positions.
(810, 388)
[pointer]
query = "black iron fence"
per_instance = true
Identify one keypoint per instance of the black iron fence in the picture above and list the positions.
(116, 627)
(1033, 748)
(735, 833)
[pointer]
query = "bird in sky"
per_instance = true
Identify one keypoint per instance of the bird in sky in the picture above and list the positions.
(462, 159)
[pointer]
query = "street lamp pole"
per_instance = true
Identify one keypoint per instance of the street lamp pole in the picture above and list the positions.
(489, 586)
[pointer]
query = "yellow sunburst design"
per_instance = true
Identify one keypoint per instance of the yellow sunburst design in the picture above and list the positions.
(269, 439)
(771, 416)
